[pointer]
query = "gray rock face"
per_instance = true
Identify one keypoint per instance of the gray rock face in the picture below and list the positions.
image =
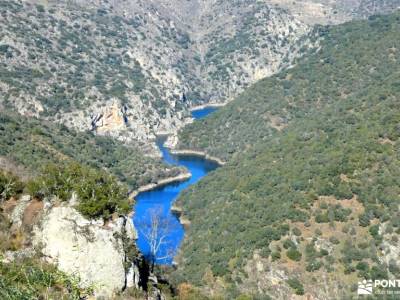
(18, 212)
(87, 249)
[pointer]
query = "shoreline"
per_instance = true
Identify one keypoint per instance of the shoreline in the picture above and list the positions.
(178, 212)
(203, 106)
(200, 154)
(152, 186)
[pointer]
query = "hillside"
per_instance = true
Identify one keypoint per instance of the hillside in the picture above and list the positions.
(273, 103)
(127, 70)
(309, 202)
(32, 144)
(131, 69)
(92, 70)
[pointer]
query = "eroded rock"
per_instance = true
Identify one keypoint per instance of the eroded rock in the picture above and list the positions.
(87, 249)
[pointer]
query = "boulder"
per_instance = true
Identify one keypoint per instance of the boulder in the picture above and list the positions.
(87, 249)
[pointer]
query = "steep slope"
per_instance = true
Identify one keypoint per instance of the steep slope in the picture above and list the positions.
(271, 104)
(131, 69)
(50, 250)
(314, 196)
(239, 42)
(88, 67)
(371, 7)
(32, 143)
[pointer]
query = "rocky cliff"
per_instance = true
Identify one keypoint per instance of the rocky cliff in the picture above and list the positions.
(88, 249)
(101, 255)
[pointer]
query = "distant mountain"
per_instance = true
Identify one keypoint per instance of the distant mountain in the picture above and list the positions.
(124, 68)
(308, 202)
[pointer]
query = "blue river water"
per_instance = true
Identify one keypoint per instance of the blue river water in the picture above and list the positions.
(201, 113)
(155, 206)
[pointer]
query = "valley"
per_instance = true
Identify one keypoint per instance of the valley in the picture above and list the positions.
(198, 150)
(156, 204)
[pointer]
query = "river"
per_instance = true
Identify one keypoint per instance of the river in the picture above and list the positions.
(154, 206)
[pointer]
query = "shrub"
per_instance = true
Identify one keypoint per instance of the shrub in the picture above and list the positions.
(296, 285)
(296, 231)
(275, 255)
(9, 186)
(294, 254)
(289, 244)
(40, 8)
(334, 240)
(30, 279)
(364, 220)
(100, 195)
(313, 266)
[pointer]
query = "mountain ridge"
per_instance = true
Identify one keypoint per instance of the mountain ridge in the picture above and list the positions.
(152, 60)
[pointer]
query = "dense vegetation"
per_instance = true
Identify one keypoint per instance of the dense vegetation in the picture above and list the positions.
(328, 127)
(98, 193)
(33, 143)
(10, 186)
(337, 71)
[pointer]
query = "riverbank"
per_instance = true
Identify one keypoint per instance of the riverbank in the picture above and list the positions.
(159, 197)
(178, 212)
(151, 186)
(209, 105)
(199, 154)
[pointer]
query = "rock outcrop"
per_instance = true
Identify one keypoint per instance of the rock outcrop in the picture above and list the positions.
(90, 250)
(102, 256)
(18, 211)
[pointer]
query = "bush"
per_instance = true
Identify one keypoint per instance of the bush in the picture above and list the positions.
(40, 8)
(100, 195)
(313, 266)
(275, 255)
(9, 186)
(374, 231)
(289, 244)
(334, 240)
(294, 254)
(296, 285)
(364, 220)
(296, 231)
(30, 279)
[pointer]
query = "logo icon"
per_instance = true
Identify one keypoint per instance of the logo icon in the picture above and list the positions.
(364, 287)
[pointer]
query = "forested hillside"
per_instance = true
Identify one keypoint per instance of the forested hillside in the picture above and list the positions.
(271, 104)
(311, 189)
(131, 69)
(33, 144)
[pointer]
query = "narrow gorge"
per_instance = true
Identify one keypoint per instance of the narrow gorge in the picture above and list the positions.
(199, 149)
(160, 229)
